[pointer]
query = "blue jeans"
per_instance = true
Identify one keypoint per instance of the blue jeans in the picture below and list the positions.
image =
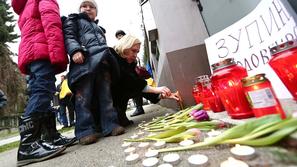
(63, 115)
(42, 87)
(94, 105)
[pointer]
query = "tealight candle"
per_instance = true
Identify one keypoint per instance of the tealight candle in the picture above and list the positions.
(144, 145)
(198, 160)
(233, 162)
(129, 150)
(132, 159)
(186, 142)
(243, 152)
(126, 144)
(135, 136)
(160, 144)
(151, 153)
(165, 165)
(140, 133)
(214, 133)
(172, 158)
(150, 162)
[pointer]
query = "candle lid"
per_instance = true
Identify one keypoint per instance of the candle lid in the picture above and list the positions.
(201, 78)
(233, 162)
(151, 153)
(198, 160)
(243, 152)
(149, 162)
(252, 80)
(172, 158)
(282, 47)
(132, 159)
(222, 64)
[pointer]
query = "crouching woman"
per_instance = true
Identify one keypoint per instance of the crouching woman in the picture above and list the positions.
(130, 84)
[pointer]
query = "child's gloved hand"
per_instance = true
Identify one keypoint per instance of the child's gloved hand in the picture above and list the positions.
(78, 58)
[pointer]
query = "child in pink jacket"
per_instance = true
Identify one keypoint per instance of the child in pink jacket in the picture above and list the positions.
(41, 56)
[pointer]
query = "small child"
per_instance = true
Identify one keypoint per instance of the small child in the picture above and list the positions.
(41, 56)
(90, 75)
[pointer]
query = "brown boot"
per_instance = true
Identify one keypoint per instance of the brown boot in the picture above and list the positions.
(117, 131)
(88, 139)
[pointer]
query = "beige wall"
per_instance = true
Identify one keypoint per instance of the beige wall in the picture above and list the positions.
(183, 56)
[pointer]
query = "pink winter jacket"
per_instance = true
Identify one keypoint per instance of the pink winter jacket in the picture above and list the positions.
(41, 33)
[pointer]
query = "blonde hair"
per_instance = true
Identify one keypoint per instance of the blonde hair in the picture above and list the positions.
(126, 42)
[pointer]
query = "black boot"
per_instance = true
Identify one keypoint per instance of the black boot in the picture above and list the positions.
(139, 109)
(31, 148)
(50, 133)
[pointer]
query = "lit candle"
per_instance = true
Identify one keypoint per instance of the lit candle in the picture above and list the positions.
(186, 142)
(198, 160)
(233, 162)
(151, 153)
(243, 152)
(150, 162)
(172, 158)
(132, 159)
(159, 144)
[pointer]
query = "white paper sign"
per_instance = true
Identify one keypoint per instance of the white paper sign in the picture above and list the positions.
(248, 41)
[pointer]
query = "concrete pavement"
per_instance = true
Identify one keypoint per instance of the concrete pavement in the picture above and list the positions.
(107, 152)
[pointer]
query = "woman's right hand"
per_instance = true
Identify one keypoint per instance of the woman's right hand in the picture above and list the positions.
(78, 58)
(163, 90)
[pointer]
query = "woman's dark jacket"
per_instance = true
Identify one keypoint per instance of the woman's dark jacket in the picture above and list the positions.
(129, 84)
(84, 35)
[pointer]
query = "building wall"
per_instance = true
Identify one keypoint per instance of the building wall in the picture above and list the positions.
(181, 35)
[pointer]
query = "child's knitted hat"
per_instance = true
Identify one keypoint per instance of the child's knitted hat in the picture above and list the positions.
(90, 1)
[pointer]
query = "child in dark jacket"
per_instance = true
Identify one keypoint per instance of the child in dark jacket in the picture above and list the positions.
(90, 75)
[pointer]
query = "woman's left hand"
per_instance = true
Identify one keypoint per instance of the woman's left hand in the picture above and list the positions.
(164, 91)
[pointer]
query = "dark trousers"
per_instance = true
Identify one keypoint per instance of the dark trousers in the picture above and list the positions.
(94, 104)
(66, 102)
(42, 87)
(138, 101)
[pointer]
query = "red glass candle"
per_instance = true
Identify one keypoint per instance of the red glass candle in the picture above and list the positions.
(206, 93)
(284, 63)
(215, 103)
(226, 81)
(197, 88)
(261, 96)
(196, 94)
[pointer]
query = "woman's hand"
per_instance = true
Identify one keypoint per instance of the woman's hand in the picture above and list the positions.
(174, 96)
(163, 90)
(78, 58)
